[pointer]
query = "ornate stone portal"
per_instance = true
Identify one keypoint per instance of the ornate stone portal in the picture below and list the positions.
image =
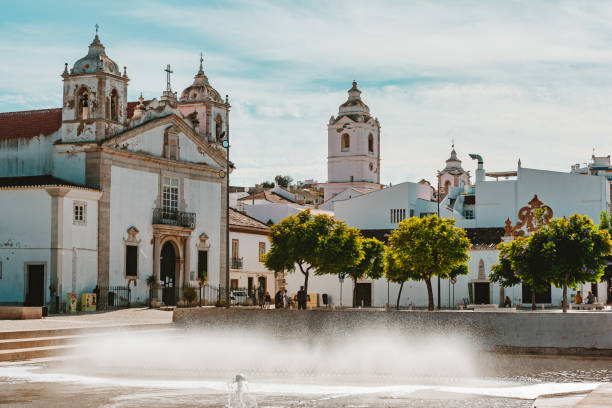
(528, 218)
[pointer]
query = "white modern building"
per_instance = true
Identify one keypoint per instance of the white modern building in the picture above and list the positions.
(107, 192)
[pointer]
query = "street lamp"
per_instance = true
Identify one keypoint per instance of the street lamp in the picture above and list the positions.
(438, 200)
(226, 145)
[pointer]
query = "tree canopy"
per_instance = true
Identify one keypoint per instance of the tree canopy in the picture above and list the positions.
(521, 261)
(574, 251)
(428, 247)
(317, 244)
(283, 181)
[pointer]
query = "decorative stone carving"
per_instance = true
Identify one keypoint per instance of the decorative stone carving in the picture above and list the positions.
(527, 220)
(132, 233)
(203, 243)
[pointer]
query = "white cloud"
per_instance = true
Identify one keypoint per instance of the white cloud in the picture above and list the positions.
(504, 79)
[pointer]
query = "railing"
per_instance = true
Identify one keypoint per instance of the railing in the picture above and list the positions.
(169, 217)
(236, 263)
(113, 297)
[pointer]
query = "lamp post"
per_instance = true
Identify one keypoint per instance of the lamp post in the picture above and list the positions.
(226, 145)
(438, 200)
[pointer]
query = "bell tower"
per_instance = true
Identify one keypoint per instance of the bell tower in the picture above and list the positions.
(353, 138)
(95, 96)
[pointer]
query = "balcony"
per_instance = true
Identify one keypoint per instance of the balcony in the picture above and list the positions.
(236, 263)
(177, 218)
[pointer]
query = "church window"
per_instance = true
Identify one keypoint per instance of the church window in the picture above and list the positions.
(370, 144)
(346, 142)
(79, 209)
(171, 146)
(262, 251)
(219, 127)
(170, 195)
(447, 186)
(114, 105)
(469, 214)
(82, 104)
(131, 261)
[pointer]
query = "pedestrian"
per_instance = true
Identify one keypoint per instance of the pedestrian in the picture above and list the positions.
(267, 300)
(96, 291)
(278, 299)
(578, 298)
(286, 299)
(590, 298)
(301, 298)
(507, 302)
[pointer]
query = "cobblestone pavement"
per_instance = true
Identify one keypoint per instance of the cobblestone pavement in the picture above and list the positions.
(122, 317)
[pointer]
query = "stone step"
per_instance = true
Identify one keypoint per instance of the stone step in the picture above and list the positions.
(28, 334)
(12, 344)
(35, 352)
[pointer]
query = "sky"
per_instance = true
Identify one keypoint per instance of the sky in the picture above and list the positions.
(504, 79)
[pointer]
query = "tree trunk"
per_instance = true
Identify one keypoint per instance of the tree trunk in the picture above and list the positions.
(354, 292)
(430, 299)
(565, 296)
(306, 274)
(533, 294)
(399, 294)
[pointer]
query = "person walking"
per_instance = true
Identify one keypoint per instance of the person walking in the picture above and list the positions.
(278, 299)
(301, 298)
(286, 299)
(267, 300)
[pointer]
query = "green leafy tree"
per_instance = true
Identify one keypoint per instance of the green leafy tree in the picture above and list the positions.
(397, 274)
(605, 224)
(317, 244)
(283, 181)
(428, 247)
(574, 251)
(371, 265)
(521, 261)
(267, 184)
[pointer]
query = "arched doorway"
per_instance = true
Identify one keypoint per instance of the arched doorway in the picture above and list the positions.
(167, 273)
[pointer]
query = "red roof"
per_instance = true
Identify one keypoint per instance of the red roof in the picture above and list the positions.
(29, 124)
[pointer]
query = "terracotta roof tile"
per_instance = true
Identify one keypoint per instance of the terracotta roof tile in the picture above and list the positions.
(268, 196)
(38, 181)
(29, 124)
(238, 219)
(132, 105)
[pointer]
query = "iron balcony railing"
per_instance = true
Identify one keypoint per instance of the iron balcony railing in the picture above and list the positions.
(178, 218)
(236, 263)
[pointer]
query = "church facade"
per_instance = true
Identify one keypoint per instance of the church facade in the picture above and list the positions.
(104, 192)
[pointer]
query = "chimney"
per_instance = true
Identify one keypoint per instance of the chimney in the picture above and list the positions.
(480, 172)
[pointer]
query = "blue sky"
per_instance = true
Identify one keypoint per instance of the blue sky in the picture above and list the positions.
(509, 80)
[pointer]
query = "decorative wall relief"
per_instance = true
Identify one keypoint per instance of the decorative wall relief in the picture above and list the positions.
(527, 219)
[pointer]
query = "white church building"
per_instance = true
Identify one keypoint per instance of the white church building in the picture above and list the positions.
(104, 192)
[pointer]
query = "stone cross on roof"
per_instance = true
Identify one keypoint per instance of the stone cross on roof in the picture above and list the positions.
(168, 72)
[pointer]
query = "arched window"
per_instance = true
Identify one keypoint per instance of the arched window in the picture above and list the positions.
(218, 127)
(370, 143)
(82, 104)
(114, 105)
(346, 142)
(447, 186)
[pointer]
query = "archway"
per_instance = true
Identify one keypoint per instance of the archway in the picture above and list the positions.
(167, 273)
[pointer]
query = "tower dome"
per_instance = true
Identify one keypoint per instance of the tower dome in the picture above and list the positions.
(354, 107)
(95, 61)
(200, 89)
(453, 163)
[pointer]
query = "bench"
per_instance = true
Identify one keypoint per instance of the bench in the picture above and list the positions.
(587, 306)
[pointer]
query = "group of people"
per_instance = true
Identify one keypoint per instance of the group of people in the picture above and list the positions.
(589, 300)
(282, 300)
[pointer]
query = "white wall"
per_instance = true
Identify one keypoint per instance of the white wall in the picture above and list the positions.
(248, 250)
(27, 157)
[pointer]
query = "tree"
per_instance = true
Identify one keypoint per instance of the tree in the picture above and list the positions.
(574, 251)
(395, 273)
(427, 247)
(267, 184)
(521, 261)
(605, 223)
(371, 265)
(283, 181)
(316, 244)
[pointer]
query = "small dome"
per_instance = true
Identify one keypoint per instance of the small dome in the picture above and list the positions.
(354, 107)
(453, 164)
(95, 61)
(200, 89)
